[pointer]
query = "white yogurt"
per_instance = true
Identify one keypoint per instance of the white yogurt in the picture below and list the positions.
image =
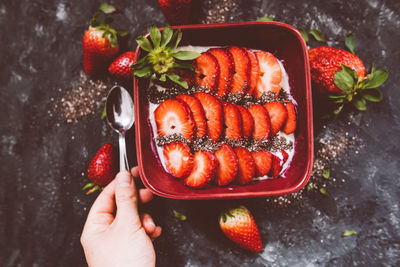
(284, 85)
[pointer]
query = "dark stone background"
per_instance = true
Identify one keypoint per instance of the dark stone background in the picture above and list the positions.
(43, 158)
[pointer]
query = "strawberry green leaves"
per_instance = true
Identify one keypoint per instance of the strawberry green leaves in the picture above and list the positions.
(350, 42)
(266, 19)
(107, 8)
(357, 91)
(318, 35)
(304, 34)
(162, 59)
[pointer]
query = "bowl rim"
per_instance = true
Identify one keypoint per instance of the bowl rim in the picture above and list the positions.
(235, 195)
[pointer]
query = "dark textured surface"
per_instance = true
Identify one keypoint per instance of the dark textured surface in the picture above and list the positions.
(43, 158)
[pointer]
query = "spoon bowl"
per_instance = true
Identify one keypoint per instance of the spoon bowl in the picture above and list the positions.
(120, 116)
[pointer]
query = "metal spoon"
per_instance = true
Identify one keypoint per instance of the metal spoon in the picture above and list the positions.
(120, 116)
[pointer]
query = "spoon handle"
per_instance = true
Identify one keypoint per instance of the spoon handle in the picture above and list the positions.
(123, 159)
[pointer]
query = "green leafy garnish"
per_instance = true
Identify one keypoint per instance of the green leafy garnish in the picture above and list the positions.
(326, 173)
(103, 113)
(323, 191)
(266, 19)
(318, 35)
(350, 42)
(304, 34)
(349, 233)
(179, 216)
(162, 59)
(358, 91)
(107, 8)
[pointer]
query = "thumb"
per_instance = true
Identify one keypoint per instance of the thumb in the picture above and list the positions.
(126, 200)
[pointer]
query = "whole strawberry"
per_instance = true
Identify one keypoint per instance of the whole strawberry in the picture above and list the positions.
(120, 68)
(177, 12)
(102, 168)
(341, 75)
(238, 225)
(100, 43)
(325, 61)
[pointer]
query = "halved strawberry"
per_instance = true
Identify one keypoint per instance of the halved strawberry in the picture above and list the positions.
(290, 125)
(228, 165)
(173, 116)
(247, 122)
(241, 77)
(262, 123)
(263, 162)
(207, 68)
(214, 114)
(197, 112)
(247, 166)
(278, 114)
(232, 121)
(226, 67)
(254, 70)
(270, 74)
(178, 159)
(204, 166)
(276, 167)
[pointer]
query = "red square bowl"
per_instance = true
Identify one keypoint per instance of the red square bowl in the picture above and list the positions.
(287, 44)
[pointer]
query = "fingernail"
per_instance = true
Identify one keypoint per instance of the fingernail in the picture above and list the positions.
(124, 179)
(150, 221)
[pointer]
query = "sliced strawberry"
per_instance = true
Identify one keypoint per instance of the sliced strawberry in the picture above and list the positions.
(241, 77)
(285, 156)
(263, 162)
(270, 74)
(278, 114)
(173, 116)
(247, 167)
(290, 125)
(262, 123)
(226, 67)
(204, 166)
(254, 70)
(247, 122)
(228, 165)
(232, 121)
(214, 114)
(276, 167)
(198, 113)
(207, 68)
(178, 159)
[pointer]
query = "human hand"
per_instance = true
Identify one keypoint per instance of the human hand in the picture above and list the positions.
(123, 239)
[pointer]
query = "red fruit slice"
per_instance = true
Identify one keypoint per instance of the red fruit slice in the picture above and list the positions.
(178, 159)
(285, 156)
(247, 122)
(214, 114)
(290, 125)
(226, 68)
(204, 167)
(207, 67)
(247, 167)
(173, 116)
(228, 165)
(254, 70)
(232, 121)
(276, 167)
(278, 114)
(263, 162)
(262, 124)
(241, 77)
(270, 74)
(197, 112)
